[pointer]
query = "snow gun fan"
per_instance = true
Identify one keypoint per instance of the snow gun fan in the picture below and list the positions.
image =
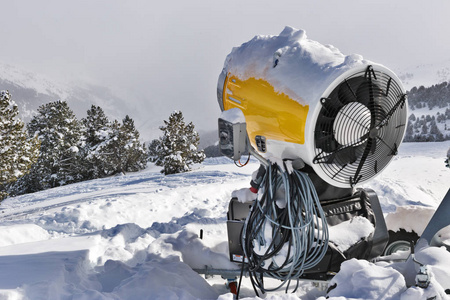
(359, 127)
(348, 134)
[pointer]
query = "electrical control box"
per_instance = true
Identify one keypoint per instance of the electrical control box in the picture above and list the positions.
(232, 138)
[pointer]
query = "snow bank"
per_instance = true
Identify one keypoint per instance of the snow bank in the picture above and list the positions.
(210, 252)
(46, 275)
(360, 279)
(416, 176)
(137, 236)
(21, 233)
(396, 220)
(166, 279)
(59, 268)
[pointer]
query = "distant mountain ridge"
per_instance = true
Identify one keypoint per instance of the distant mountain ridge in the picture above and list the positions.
(30, 90)
(425, 74)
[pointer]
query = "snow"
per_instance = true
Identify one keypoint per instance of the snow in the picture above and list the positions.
(244, 195)
(295, 65)
(425, 74)
(395, 220)
(360, 279)
(21, 233)
(34, 81)
(419, 178)
(347, 233)
(233, 115)
(137, 236)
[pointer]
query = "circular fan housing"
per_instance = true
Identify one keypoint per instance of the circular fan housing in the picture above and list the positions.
(358, 126)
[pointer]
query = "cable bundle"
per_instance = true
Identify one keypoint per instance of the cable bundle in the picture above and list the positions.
(286, 231)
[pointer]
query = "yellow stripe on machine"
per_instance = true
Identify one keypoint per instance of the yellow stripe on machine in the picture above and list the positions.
(267, 113)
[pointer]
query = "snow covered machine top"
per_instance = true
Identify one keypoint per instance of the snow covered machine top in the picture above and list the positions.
(342, 115)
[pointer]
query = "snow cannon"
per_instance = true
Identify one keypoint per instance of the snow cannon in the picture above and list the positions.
(320, 122)
(287, 97)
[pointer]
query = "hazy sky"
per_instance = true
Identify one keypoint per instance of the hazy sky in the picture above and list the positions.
(167, 55)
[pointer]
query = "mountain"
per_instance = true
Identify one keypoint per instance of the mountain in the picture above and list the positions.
(428, 91)
(425, 74)
(30, 90)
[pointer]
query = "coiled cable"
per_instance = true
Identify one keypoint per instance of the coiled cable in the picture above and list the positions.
(286, 231)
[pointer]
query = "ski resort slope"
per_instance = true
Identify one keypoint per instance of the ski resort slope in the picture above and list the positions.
(137, 236)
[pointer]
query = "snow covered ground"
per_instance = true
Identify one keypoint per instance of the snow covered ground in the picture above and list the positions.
(136, 236)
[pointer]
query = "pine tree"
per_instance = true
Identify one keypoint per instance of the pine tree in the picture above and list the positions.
(112, 150)
(17, 151)
(121, 151)
(135, 156)
(152, 150)
(424, 128)
(97, 130)
(60, 135)
(409, 132)
(433, 128)
(178, 147)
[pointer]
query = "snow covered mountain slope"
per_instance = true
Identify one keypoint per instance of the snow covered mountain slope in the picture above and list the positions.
(30, 90)
(137, 236)
(425, 74)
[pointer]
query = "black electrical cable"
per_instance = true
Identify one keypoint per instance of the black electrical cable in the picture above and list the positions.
(240, 280)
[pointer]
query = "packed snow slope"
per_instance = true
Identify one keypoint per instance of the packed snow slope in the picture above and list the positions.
(136, 236)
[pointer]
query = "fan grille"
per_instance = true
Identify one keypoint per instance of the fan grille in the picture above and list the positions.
(359, 127)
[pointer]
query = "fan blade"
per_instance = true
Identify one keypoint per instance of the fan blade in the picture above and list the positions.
(326, 141)
(363, 119)
(348, 88)
(362, 161)
(374, 146)
(331, 105)
(344, 154)
(369, 92)
(378, 111)
(363, 93)
(400, 103)
(347, 155)
(325, 123)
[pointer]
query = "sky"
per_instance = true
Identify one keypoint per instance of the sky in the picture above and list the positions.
(162, 56)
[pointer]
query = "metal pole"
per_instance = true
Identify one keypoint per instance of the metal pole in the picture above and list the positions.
(440, 219)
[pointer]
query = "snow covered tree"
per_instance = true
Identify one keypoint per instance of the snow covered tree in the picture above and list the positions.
(59, 132)
(178, 147)
(152, 150)
(110, 151)
(96, 124)
(135, 155)
(424, 129)
(119, 149)
(409, 132)
(17, 151)
(97, 129)
(433, 127)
